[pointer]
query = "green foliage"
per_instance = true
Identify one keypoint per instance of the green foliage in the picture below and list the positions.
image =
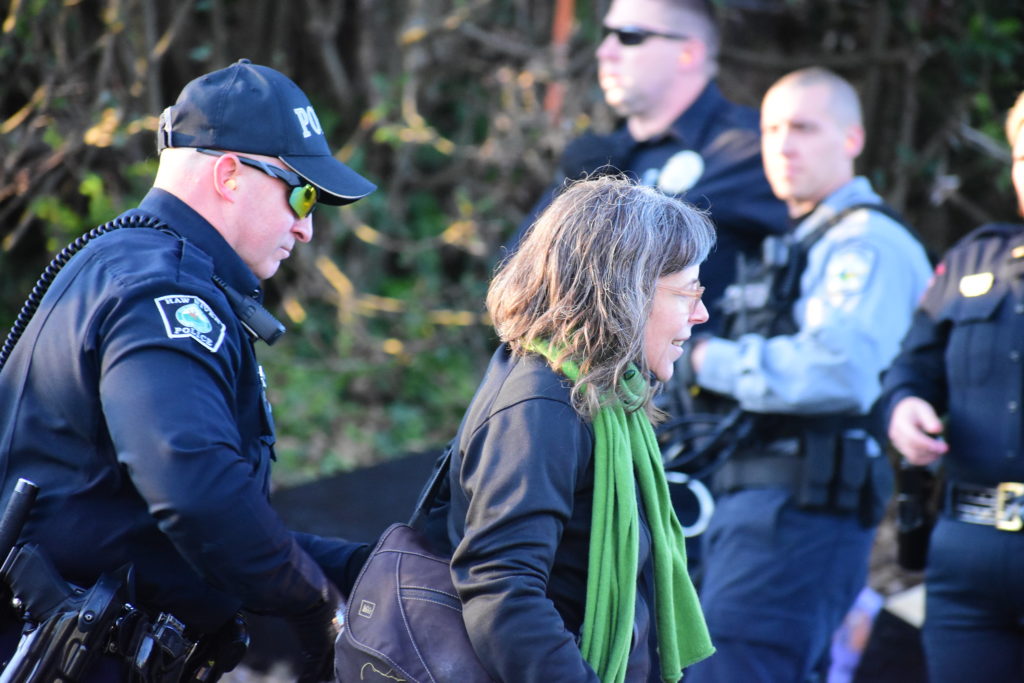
(365, 405)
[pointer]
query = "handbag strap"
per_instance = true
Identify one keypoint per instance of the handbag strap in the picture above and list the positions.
(431, 490)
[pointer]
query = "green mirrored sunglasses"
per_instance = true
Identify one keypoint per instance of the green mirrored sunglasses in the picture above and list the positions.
(302, 196)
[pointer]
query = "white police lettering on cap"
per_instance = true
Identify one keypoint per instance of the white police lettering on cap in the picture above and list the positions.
(189, 316)
(307, 119)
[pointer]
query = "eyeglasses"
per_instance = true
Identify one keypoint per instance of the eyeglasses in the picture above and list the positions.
(302, 196)
(694, 295)
(634, 35)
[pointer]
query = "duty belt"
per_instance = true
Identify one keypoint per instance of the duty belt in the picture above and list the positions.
(999, 506)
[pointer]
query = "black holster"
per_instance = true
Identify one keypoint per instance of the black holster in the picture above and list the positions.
(915, 515)
(67, 628)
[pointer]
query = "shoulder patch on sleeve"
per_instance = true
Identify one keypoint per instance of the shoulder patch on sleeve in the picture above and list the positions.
(185, 315)
(848, 271)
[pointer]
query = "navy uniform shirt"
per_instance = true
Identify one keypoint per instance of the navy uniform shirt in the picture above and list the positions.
(710, 157)
(963, 355)
(134, 400)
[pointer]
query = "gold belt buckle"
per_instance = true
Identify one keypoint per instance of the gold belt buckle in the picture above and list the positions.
(1008, 500)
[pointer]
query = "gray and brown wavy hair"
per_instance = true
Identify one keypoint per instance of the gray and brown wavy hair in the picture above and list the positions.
(584, 278)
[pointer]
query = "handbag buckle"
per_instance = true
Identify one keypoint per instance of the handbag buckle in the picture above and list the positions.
(1009, 501)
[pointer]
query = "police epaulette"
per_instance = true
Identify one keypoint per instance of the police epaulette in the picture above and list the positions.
(989, 230)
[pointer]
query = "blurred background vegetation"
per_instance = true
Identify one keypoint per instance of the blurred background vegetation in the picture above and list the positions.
(457, 109)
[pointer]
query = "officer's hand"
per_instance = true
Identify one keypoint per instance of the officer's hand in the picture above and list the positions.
(317, 630)
(915, 430)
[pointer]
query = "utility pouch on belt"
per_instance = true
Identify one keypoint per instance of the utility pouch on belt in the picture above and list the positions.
(835, 470)
(819, 467)
(853, 469)
(829, 464)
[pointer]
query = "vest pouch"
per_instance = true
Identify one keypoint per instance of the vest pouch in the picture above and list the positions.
(820, 448)
(878, 491)
(853, 469)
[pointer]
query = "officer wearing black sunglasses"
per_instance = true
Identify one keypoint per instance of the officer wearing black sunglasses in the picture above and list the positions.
(131, 390)
(657, 66)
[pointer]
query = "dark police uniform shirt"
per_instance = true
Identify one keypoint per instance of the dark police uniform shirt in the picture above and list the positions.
(134, 401)
(963, 354)
(710, 157)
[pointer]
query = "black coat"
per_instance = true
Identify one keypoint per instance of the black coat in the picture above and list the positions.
(522, 482)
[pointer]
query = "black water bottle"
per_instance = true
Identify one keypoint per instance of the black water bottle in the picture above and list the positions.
(915, 514)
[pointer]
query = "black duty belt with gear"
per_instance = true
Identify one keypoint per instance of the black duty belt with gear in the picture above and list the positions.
(66, 628)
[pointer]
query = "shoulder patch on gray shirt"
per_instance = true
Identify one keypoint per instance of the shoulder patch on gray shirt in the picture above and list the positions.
(847, 272)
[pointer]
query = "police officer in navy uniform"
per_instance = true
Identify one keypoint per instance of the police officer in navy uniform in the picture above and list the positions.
(657, 67)
(133, 396)
(961, 360)
(786, 551)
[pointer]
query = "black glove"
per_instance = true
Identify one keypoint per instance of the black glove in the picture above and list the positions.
(354, 566)
(317, 630)
(339, 559)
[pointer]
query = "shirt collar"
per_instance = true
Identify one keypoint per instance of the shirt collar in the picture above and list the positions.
(692, 124)
(690, 128)
(197, 231)
(856, 191)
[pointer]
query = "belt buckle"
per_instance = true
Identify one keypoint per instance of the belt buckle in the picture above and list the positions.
(1008, 501)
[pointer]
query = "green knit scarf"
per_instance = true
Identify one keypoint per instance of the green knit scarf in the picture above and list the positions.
(626, 454)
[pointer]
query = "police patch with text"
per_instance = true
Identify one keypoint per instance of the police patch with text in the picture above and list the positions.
(185, 315)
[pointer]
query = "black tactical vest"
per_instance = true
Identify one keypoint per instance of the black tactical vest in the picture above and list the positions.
(762, 299)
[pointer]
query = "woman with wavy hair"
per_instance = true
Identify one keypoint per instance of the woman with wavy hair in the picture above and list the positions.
(568, 557)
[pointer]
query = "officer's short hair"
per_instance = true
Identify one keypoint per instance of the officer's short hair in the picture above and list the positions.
(1014, 120)
(844, 102)
(700, 20)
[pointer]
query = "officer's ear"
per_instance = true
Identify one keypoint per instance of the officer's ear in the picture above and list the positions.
(225, 176)
(853, 143)
(693, 53)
